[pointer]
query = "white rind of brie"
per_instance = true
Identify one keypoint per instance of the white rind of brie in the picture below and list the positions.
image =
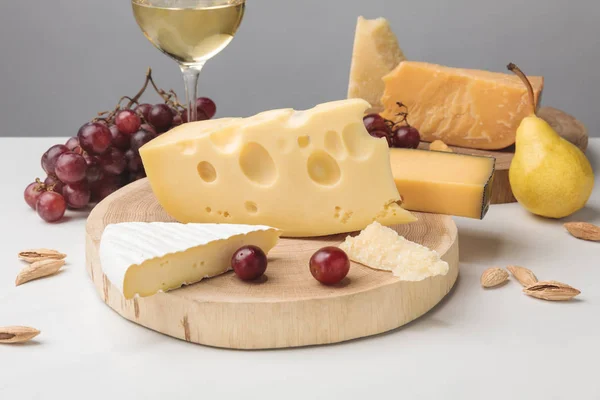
(380, 247)
(144, 258)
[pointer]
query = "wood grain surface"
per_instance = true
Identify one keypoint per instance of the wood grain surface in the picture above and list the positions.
(288, 307)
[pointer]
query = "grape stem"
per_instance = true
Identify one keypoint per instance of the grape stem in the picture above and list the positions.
(403, 114)
(41, 186)
(170, 98)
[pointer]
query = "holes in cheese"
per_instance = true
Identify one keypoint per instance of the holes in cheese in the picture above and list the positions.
(443, 183)
(225, 140)
(257, 164)
(333, 144)
(266, 178)
(323, 169)
(251, 207)
(207, 171)
(355, 141)
(303, 141)
(461, 107)
(141, 258)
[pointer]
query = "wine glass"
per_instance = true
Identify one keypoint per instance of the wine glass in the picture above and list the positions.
(191, 32)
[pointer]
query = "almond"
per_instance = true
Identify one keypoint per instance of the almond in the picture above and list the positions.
(17, 334)
(492, 277)
(584, 230)
(38, 269)
(34, 255)
(523, 275)
(551, 290)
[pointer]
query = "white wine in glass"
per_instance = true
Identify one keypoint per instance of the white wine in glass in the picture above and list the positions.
(189, 31)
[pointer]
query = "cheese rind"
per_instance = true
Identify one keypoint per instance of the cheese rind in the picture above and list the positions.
(443, 182)
(141, 258)
(462, 107)
(309, 173)
(380, 247)
(376, 52)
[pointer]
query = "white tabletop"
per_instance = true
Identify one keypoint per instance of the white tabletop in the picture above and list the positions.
(492, 344)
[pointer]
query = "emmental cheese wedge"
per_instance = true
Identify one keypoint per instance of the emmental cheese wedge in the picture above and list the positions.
(143, 259)
(376, 52)
(443, 182)
(461, 107)
(309, 173)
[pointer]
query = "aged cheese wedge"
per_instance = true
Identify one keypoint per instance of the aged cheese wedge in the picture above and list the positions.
(376, 52)
(443, 182)
(142, 258)
(461, 107)
(308, 173)
(380, 247)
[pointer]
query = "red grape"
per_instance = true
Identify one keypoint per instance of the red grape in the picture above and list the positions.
(249, 262)
(77, 195)
(113, 162)
(119, 139)
(94, 170)
(161, 116)
(72, 143)
(139, 139)
(143, 110)
(405, 137)
(32, 193)
(149, 128)
(53, 182)
(134, 176)
(134, 161)
(375, 122)
(51, 206)
(380, 134)
(177, 120)
(200, 117)
(94, 137)
(71, 167)
(128, 122)
(207, 106)
(329, 265)
(104, 187)
(49, 158)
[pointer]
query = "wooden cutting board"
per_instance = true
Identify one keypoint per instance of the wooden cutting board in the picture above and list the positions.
(566, 125)
(288, 307)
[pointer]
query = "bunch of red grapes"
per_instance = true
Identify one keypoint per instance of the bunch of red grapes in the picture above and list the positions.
(104, 155)
(399, 134)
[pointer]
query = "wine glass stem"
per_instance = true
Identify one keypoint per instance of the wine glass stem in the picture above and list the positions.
(190, 77)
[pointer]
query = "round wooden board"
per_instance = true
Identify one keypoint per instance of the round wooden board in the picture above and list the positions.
(288, 307)
(566, 125)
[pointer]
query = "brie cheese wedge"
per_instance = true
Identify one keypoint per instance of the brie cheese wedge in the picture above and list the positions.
(143, 258)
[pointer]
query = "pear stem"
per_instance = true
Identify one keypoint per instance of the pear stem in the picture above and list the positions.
(513, 68)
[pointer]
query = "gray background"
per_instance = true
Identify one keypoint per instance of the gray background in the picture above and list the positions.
(64, 60)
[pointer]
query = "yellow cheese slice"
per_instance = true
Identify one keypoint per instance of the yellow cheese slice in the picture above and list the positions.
(308, 173)
(376, 52)
(442, 182)
(461, 107)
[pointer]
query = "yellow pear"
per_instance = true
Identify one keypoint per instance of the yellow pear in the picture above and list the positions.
(549, 176)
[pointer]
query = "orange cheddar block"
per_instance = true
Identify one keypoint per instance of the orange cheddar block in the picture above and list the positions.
(461, 107)
(442, 182)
